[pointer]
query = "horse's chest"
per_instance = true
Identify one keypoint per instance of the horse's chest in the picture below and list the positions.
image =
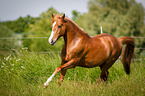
(72, 54)
(73, 51)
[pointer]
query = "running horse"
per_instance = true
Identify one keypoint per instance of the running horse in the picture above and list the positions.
(82, 50)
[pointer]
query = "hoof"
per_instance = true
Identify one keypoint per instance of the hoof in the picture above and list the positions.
(45, 85)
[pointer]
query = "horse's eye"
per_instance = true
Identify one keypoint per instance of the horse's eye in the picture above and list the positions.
(59, 26)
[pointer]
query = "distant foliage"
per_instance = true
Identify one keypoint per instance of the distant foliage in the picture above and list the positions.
(5, 32)
(75, 14)
(19, 25)
(6, 44)
(117, 17)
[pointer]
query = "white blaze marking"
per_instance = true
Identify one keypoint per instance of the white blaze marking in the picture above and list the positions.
(53, 24)
(51, 36)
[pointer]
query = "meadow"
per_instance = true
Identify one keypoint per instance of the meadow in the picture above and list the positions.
(23, 74)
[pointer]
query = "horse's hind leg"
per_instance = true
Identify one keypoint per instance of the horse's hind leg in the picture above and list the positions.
(105, 67)
(104, 74)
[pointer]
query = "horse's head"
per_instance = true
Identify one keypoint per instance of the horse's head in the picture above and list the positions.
(58, 28)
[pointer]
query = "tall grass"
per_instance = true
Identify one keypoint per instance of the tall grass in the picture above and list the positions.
(23, 74)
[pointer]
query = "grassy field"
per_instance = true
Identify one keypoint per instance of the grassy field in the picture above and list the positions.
(23, 74)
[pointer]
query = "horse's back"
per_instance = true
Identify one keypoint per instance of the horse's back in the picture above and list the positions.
(108, 38)
(103, 35)
(109, 41)
(100, 35)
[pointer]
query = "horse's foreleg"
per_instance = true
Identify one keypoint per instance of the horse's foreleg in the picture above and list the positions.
(50, 78)
(65, 66)
(62, 74)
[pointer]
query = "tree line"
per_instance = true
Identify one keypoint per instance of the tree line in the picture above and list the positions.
(117, 17)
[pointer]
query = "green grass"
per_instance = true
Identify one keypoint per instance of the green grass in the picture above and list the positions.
(24, 74)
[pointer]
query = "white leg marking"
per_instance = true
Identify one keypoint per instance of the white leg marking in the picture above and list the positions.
(49, 79)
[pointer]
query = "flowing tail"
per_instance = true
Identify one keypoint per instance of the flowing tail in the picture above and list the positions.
(127, 52)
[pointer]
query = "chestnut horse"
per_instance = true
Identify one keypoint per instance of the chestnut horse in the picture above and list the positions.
(82, 50)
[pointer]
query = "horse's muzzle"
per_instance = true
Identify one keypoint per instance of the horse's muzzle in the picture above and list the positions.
(52, 42)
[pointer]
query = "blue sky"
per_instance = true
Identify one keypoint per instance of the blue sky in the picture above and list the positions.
(13, 9)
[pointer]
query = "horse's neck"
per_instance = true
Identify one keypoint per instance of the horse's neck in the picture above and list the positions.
(73, 33)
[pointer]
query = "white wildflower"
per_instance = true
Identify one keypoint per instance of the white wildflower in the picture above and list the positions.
(3, 63)
(18, 59)
(22, 67)
(2, 66)
(24, 48)
(12, 64)
(8, 57)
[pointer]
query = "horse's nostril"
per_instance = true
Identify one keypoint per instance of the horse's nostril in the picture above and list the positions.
(52, 42)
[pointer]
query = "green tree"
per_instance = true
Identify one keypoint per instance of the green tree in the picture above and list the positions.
(19, 25)
(6, 44)
(75, 15)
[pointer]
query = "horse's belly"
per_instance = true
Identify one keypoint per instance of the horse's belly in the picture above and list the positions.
(91, 62)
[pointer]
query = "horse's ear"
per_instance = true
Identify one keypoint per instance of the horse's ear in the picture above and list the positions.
(63, 16)
(52, 15)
